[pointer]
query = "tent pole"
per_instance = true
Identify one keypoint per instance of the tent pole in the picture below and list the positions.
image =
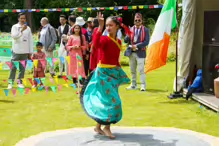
(176, 94)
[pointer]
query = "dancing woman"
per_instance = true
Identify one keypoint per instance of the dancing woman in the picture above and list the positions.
(99, 96)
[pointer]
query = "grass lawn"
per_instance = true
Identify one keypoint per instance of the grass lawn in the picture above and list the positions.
(26, 115)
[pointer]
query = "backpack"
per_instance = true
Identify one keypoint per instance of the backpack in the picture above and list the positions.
(57, 34)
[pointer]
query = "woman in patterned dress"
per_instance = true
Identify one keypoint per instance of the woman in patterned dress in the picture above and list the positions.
(99, 96)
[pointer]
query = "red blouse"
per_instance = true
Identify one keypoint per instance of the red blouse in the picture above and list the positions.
(109, 50)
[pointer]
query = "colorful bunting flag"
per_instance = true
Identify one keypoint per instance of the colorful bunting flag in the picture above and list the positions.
(62, 59)
(9, 64)
(16, 63)
(66, 85)
(37, 80)
(74, 86)
(47, 89)
(80, 77)
(65, 78)
(79, 9)
(69, 77)
(23, 63)
(35, 63)
(54, 60)
(59, 87)
(6, 92)
(68, 59)
(14, 91)
(33, 89)
(53, 88)
(27, 90)
(21, 90)
(29, 65)
(43, 80)
(50, 61)
(31, 81)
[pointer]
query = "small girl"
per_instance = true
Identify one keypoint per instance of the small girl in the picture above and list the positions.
(41, 57)
(99, 96)
(75, 46)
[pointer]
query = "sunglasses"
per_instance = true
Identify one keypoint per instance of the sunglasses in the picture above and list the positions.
(138, 20)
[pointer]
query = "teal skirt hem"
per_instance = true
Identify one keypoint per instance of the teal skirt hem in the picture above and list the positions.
(99, 96)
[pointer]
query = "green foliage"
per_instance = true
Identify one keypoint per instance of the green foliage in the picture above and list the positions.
(171, 57)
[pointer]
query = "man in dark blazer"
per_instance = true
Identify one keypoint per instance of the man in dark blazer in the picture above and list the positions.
(64, 28)
(63, 31)
(136, 51)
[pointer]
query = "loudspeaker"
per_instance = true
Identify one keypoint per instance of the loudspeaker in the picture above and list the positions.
(210, 57)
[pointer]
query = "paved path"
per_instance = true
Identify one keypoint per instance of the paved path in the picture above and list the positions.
(125, 136)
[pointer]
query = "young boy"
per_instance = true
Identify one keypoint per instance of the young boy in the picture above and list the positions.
(39, 70)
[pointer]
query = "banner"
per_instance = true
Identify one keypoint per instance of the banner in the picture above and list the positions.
(81, 9)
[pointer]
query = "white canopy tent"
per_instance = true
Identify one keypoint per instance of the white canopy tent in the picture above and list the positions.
(191, 36)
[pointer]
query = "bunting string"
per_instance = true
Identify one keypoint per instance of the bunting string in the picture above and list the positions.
(54, 87)
(81, 9)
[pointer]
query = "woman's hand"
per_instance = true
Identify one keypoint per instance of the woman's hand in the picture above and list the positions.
(100, 20)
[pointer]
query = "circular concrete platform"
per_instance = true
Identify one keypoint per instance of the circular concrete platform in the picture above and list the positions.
(125, 136)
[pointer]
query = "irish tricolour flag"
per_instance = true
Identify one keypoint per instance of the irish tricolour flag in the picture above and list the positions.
(159, 43)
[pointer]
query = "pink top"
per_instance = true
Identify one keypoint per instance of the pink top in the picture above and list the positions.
(73, 67)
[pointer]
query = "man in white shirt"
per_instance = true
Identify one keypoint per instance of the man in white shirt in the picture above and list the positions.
(22, 48)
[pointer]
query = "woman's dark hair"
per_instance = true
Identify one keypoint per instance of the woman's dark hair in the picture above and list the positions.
(72, 18)
(95, 22)
(80, 33)
(115, 20)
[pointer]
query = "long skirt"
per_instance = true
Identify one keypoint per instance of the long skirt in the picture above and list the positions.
(99, 96)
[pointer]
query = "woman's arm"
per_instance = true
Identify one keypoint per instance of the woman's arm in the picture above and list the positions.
(69, 45)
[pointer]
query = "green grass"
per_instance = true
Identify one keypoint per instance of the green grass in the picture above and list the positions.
(23, 116)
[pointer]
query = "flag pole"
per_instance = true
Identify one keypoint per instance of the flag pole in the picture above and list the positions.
(176, 94)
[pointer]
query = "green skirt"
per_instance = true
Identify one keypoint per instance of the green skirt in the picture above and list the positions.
(99, 96)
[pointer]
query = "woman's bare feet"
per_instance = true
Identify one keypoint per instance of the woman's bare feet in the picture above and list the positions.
(99, 131)
(108, 132)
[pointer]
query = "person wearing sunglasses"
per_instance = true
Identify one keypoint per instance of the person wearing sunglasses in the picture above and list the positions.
(136, 51)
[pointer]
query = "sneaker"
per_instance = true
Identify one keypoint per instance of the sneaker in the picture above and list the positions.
(20, 86)
(142, 88)
(34, 86)
(132, 87)
(10, 86)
